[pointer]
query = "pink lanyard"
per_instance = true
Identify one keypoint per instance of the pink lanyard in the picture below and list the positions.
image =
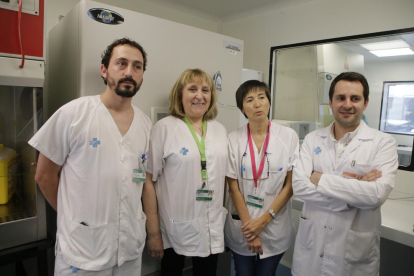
(256, 175)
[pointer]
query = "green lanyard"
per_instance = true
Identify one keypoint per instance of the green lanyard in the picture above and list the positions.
(201, 146)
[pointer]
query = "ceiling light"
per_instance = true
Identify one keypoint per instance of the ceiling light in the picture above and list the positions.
(393, 52)
(385, 45)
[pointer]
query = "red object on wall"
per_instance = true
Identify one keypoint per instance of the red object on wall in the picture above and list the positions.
(32, 32)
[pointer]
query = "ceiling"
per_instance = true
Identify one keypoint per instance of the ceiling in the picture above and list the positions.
(222, 9)
(369, 57)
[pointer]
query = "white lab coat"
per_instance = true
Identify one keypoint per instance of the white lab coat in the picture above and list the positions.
(339, 230)
(283, 151)
(100, 219)
(190, 227)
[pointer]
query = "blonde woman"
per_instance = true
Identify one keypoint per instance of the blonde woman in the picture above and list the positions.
(186, 169)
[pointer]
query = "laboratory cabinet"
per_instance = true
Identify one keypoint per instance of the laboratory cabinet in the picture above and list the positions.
(22, 205)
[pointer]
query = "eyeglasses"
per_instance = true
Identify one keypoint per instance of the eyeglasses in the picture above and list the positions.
(243, 169)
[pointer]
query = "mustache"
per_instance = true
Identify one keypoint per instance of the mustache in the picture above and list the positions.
(128, 80)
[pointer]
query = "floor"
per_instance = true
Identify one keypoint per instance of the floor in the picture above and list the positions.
(31, 265)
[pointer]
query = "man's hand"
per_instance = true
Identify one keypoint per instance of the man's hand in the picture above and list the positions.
(315, 177)
(255, 246)
(252, 228)
(155, 246)
(371, 176)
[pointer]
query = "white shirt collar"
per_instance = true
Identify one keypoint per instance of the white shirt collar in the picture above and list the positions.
(347, 137)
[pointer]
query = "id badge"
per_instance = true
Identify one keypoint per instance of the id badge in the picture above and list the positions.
(351, 175)
(356, 171)
(138, 175)
(204, 195)
(255, 201)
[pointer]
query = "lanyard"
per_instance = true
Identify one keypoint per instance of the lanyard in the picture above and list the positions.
(257, 174)
(201, 146)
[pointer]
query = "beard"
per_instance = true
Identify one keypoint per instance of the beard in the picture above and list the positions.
(127, 91)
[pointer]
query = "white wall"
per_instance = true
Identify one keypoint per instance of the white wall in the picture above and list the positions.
(315, 20)
(55, 8)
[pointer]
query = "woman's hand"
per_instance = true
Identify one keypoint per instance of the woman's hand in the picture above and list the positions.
(155, 246)
(252, 228)
(255, 246)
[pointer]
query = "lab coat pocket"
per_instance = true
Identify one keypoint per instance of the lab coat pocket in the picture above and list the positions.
(186, 234)
(306, 233)
(90, 241)
(275, 181)
(362, 253)
(234, 231)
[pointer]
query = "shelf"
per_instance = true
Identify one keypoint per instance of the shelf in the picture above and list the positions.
(14, 210)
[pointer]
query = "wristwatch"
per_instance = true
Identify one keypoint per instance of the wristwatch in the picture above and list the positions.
(272, 213)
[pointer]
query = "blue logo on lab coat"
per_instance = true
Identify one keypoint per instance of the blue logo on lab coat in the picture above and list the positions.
(95, 142)
(318, 150)
(184, 151)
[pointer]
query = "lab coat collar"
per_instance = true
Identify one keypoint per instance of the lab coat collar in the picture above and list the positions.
(364, 133)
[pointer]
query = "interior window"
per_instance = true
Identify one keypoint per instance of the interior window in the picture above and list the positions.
(397, 114)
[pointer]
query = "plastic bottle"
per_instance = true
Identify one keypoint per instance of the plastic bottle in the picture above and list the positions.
(6, 153)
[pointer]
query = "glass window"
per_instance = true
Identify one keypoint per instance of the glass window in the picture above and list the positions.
(397, 110)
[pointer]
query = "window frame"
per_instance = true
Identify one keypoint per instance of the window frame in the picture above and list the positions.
(272, 63)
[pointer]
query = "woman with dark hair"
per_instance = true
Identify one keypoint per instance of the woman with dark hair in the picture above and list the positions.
(261, 156)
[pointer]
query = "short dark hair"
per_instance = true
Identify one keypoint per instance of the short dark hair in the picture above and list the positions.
(248, 86)
(350, 76)
(106, 55)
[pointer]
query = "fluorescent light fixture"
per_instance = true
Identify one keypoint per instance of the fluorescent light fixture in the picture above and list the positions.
(393, 52)
(385, 45)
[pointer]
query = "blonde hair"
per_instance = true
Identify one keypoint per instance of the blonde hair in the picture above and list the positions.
(176, 95)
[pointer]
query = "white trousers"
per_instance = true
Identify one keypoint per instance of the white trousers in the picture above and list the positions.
(130, 268)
